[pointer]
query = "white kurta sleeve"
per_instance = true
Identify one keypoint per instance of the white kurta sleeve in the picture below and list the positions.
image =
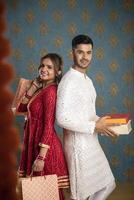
(96, 118)
(68, 110)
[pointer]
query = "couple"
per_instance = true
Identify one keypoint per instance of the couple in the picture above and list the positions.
(74, 106)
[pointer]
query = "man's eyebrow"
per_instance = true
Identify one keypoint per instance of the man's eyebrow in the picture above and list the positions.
(79, 50)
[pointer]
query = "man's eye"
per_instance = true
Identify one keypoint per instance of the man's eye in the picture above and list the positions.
(79, 52)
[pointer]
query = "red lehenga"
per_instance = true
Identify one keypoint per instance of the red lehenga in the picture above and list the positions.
(39, 128)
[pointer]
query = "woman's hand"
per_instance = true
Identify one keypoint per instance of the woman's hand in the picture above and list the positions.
(38, 165)
(37, 83)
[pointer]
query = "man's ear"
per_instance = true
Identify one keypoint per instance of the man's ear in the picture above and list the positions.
(71, 54)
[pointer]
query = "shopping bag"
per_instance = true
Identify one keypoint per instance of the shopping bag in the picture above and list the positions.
(23, 85)
(40, 188)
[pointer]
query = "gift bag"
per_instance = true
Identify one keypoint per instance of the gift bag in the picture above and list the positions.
(23, 85)
(40, 188)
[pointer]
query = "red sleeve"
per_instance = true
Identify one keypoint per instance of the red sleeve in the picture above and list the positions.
(22, 107)
(49, 105)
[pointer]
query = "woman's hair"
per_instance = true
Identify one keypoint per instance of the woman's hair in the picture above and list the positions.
(57, 62)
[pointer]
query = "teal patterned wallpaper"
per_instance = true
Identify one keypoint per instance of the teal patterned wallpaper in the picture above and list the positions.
(36, 27)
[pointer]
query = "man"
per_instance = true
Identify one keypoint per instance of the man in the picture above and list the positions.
(89, 171)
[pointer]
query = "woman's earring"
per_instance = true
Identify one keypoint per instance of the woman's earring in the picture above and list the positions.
(59, 72)
(39, 72)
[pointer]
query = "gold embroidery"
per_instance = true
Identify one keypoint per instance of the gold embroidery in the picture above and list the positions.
(44, 29)
(114, 89)
(113, 16)
(113, 40)
(57, 16)
(58, 41)
(30, 16)
(30, 42)
(17, 54)
(99, 28)
(85, 16)
(115, 161)
(31, 67)
(100, 53)
(113, 66)
(72, 3)
(100, 102)
(72, 29)
(43, 4)
(100, 78)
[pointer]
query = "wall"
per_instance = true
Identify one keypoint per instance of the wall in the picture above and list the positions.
(38, 27)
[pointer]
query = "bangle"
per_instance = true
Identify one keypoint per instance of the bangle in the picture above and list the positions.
(40, 157)
(35, 85)
(28, 96)
(44, 145)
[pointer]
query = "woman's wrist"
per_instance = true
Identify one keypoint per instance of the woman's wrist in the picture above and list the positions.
(40, 157)
(44, 145)
(28, 96)
(29, 93)
(32, 89)
(43, 151)
(35, 86)
(37, 83)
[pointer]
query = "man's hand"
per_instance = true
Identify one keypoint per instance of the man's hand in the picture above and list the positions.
(38, 165)
(103, 128)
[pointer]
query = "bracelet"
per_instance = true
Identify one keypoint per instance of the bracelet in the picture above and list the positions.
(44, 145)
(35, 85)
(40, 158)
(28, 96)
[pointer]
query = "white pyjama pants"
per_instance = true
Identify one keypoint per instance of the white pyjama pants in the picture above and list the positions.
(103, 193)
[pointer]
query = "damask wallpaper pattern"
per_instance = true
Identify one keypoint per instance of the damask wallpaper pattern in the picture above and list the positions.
(37, 27)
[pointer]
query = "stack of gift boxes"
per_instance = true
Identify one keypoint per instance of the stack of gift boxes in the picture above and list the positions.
(121, 123)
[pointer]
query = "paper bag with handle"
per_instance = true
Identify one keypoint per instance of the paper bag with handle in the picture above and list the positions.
(40, 188)
(23, 85)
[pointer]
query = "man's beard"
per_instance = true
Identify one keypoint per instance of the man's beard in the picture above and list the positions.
(81, 64)
(82, 61)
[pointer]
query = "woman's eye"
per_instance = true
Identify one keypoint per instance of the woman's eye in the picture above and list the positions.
(49, 67)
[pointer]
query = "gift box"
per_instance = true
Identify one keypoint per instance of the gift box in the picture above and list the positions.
(119, 118)
(124, 123)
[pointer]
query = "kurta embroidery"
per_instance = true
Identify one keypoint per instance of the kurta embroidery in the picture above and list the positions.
(39, 130)
(89, 170)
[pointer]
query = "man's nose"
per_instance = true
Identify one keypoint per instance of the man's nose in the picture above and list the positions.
(85, 56)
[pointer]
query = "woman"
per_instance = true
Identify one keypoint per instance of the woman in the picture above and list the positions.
(42, 150)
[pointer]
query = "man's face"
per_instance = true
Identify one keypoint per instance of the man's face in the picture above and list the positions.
(82, 55)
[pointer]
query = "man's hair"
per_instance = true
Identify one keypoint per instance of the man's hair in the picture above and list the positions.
(81, 39)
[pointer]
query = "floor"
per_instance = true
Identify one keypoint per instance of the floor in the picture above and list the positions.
(122, 192)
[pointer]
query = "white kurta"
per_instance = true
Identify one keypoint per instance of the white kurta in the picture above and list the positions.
(89, 170)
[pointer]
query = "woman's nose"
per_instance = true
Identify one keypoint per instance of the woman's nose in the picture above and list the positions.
(44, 68)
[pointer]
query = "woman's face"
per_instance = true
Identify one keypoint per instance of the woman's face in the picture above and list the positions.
(47, 71)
